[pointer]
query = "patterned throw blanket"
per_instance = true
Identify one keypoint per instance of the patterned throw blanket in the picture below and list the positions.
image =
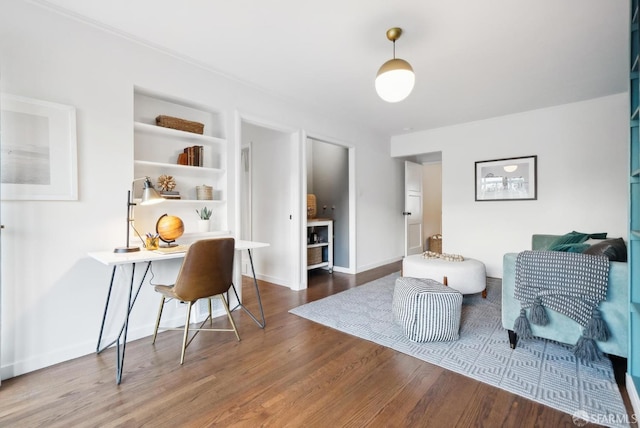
(572, 284)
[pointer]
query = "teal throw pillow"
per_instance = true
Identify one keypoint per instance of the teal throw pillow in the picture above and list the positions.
(570, 248)
(569, 238)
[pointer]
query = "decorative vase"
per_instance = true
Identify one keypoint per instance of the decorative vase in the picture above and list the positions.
(203, 225)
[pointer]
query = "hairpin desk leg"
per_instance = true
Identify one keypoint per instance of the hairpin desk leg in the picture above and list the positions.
(120, 350)
(255, 284)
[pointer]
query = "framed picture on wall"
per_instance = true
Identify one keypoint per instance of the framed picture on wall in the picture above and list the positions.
(39, 157)
(510, 179)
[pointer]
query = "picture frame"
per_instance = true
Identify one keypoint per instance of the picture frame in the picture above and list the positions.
(39, 150)
(508, 179)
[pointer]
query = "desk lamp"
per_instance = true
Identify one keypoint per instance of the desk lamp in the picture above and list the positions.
(149, 197)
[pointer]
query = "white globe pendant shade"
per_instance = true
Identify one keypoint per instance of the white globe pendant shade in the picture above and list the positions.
(395, 80)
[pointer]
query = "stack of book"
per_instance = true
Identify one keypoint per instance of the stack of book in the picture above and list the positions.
(170, 194)
(192, 156)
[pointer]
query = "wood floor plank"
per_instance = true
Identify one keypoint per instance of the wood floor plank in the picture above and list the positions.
(294, 373)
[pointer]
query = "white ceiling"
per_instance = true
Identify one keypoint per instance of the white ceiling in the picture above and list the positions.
(473, 59)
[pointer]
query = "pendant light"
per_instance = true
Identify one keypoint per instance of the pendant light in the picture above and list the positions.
(395, 78)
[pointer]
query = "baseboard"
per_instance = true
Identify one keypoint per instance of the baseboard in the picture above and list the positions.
(633, 396)
(344, 270)
(41, 361)
(364, 268)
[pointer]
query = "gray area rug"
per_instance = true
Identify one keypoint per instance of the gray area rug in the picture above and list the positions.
(541, 370)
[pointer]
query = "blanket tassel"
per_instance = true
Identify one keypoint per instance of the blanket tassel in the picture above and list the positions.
(538, 314)
(521, 326)
(596, 327)
(586, 349)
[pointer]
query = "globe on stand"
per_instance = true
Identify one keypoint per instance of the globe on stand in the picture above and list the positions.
(169, 228)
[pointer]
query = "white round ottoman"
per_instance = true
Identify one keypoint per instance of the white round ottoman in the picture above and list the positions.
(468, 276)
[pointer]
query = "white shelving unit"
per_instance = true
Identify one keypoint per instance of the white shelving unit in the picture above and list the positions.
(156, 151)
(320, 244)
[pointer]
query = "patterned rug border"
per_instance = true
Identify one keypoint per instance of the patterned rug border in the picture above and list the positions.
(482, 352)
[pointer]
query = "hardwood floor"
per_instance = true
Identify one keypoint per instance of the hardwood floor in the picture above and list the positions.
(293, 373)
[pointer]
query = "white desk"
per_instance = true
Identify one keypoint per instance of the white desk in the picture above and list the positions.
(109, 258)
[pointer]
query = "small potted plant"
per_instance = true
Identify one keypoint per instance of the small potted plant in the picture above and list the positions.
(205, 218)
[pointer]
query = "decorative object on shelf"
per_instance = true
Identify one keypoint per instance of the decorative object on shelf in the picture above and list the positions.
(204, 192)
(149, 196)
(395, 79)
(180, 124)
(205, 216)
(511, 179)
(312, 209)
(314, 256)
(169, 228)
(166, 182)
(170, 194)
(167, 185)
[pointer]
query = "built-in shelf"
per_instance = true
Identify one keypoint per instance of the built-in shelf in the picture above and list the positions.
(178, 167)
(190, 201)
(175, 133)
(156, 153)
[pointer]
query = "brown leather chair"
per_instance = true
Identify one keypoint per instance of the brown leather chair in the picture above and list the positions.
(206, 272)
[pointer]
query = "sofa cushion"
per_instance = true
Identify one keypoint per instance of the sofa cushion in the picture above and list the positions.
(570, 248)
(614, 249)
(569, 238)
(601, 235)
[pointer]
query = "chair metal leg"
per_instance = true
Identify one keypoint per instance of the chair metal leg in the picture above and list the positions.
(186, 333)
(226, 308)
(155, 332)
(210, 312)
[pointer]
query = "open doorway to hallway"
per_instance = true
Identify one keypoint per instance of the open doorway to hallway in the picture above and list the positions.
(328, 179)
(431, 198)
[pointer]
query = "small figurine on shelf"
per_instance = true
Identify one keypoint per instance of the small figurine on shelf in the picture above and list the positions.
(167, 185)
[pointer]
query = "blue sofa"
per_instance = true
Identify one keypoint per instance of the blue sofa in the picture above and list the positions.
(560, 328)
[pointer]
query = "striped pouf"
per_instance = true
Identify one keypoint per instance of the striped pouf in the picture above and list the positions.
(427, 310)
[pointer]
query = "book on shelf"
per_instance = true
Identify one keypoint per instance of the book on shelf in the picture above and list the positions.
(170, 194)
(192, 156)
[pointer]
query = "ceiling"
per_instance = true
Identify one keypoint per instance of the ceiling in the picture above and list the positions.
(473, 59)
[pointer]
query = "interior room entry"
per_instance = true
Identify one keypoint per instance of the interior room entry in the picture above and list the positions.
(328, 180)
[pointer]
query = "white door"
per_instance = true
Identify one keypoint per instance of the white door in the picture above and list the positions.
(412, 208)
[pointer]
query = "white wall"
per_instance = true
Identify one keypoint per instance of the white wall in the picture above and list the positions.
(271, 202)
(52, 293)
(582, 170)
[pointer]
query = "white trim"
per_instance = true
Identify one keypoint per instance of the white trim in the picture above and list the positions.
(378, 264)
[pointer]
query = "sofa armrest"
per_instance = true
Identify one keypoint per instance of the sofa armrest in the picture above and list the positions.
(563, 329)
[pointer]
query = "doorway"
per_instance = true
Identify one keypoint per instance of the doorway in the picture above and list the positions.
(327, 168)
(431, 194)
